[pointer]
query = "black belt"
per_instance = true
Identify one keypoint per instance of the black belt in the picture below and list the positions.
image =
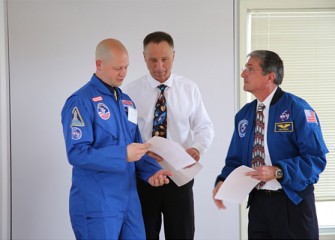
(268, 192)
(263, 192)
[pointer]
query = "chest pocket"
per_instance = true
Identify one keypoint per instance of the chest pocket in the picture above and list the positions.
(132, 127)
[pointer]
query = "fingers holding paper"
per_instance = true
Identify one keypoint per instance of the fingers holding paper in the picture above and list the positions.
(175, 159)
(155, 156)
(160, 178)
(194, 153)
(136, 150)
(218, 202)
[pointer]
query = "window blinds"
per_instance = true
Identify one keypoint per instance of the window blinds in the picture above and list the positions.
(305, 40)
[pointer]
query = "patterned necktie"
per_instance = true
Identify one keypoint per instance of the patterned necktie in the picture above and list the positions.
(258, 154)
(160, 114)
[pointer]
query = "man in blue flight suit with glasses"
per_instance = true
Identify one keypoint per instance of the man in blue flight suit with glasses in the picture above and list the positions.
(292, 151)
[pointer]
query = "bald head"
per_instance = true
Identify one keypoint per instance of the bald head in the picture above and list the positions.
(111, 59)
(107, 48)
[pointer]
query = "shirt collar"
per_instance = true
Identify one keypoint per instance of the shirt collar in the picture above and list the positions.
(268, 99)
(154, 83)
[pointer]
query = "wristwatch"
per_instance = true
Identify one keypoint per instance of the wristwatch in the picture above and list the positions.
(279, 173)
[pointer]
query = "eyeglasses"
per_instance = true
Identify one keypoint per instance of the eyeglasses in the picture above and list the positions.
(248, 69)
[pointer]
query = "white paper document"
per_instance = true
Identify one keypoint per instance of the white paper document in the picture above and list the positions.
(237, 185)
(176, 160)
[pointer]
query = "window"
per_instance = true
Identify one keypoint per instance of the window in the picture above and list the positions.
(303, 34)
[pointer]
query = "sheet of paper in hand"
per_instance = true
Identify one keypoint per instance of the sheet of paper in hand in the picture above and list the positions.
(237, 186)
(175, 159)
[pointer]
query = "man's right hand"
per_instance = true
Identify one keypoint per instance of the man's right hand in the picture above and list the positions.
(217, 202)
(136, 150)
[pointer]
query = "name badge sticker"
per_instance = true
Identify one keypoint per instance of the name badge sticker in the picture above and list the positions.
(132, 115)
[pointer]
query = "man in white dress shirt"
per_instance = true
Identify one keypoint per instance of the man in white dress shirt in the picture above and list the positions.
(187, 123)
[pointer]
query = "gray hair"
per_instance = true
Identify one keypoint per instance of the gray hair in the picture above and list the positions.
(270, 62)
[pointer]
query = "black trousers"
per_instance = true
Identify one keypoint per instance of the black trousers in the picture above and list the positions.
(176, 206)
(272, 215)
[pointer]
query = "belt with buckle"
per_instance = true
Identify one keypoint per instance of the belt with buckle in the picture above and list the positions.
(269, 192)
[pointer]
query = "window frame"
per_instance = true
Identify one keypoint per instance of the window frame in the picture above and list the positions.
(242, 10)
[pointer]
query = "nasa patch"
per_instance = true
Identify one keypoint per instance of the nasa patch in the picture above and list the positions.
(103, 111)
(242, 127)
(284, 116)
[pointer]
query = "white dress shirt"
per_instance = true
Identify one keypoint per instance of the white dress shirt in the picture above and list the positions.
(270, 185)
(187, 120)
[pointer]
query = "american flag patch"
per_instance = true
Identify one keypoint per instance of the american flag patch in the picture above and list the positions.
(310, 116)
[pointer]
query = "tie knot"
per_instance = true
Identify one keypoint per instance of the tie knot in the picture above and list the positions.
(162, 87)
(260, 107)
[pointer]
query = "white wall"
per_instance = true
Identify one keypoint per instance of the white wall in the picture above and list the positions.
(51, 54)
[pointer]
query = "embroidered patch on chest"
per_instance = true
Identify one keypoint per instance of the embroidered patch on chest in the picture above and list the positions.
(284, 116)
(103, 111)
(126, 104)
(284, 127)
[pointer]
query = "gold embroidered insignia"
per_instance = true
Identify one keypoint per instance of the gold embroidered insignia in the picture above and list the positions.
(284, 127)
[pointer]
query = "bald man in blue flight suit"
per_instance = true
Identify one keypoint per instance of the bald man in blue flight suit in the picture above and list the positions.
(104, 146)
(284, 207)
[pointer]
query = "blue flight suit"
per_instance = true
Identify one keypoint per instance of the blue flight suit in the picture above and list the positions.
(104, 203)
(294, 140)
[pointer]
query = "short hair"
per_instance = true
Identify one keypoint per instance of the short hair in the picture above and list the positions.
(270, 62)
(106, 47)
(158, 37)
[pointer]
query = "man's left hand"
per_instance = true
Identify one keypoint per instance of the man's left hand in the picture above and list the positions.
(194, 153)
(263, 173)
(160, 178)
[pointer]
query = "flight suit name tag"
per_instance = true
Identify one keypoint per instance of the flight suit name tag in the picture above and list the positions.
(132, 115)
